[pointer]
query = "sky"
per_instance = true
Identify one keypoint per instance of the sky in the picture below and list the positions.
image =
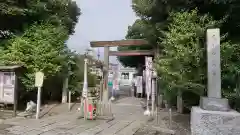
(101, 20)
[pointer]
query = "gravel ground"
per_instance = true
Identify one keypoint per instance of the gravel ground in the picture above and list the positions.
(147, 131)
(180, 124)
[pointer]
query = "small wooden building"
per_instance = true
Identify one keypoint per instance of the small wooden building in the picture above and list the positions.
(9, 85)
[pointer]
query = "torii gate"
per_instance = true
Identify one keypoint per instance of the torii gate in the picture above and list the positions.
(107, 53)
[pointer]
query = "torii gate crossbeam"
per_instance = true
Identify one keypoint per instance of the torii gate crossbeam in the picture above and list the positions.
(107, 44)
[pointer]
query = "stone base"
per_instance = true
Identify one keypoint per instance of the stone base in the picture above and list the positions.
(204, 122)
(214, 104)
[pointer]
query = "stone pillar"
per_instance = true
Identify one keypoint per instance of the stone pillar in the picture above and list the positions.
(160, 100)
(214, 102)
(105, 79)
(65, 90)
(179, 102)
(214, 116)
(159, 95)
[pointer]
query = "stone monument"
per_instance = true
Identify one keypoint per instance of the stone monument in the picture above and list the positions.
(214, 116)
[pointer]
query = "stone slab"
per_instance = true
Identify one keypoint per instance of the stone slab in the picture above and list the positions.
(205, 122)
(115, 128)
(214, 104)
(97, 129)
(81, 128)
(33, 132)
(131, 129)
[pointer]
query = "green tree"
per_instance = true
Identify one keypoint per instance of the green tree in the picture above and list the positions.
(139, 30)
(37, 40)
(154, 14)
(27, 12)
(40, 48)
(183, 63)
(183, 53)
(77, 73)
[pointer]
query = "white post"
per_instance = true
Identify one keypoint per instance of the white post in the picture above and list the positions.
(85, 88)
(69, 100)
(85, 83)
(38, 83)
(38, 102)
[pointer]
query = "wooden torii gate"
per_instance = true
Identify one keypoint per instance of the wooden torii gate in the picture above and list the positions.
(107, 53)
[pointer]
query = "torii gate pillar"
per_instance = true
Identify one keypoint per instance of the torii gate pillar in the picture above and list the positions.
(105, 76)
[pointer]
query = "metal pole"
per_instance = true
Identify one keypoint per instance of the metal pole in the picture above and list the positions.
(38, 102)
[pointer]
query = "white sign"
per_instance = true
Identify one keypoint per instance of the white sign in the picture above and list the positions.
(39, 79)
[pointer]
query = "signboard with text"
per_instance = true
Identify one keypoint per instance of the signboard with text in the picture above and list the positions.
(39, 76)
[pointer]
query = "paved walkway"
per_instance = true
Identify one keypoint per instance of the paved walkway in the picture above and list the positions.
(128, 115)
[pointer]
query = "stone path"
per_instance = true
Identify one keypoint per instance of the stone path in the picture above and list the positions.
(128, 119)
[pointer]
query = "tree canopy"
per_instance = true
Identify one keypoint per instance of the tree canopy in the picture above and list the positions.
(178, 29)
(40, 48)
(27, 12)
(153, 20)
(33, 34)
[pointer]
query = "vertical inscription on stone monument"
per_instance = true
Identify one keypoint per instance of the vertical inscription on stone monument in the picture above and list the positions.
(214, 67)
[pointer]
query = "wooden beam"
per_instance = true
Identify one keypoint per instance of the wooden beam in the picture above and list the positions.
(129, 42)
(131, 53)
